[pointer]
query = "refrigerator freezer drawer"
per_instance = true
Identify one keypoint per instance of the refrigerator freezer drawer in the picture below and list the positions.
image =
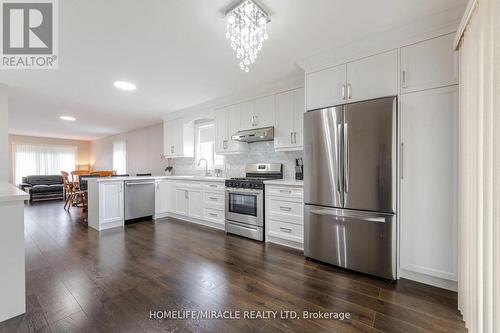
(361, 241)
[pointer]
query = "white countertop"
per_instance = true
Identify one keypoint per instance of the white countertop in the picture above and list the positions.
(285, 182)
(187, 178)
(9, 192)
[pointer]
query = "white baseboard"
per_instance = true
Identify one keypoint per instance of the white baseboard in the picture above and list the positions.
(284, 242)
(430, 280)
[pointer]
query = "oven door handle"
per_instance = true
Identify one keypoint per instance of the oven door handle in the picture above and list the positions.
(245, 191)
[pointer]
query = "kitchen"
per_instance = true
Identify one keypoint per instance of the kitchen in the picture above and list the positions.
(371, 170)
(298, 166)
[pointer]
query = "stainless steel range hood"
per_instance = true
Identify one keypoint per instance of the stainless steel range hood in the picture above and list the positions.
(254, 135)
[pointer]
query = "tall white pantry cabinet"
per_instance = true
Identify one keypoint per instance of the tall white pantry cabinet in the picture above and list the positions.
(428, 162)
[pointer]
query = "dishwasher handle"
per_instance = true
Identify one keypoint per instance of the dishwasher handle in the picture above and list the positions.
(138, 183)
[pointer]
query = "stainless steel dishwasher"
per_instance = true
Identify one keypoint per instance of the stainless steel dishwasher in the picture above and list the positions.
(139, 200)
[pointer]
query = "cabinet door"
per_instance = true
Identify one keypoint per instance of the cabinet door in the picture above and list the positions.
(428, 169)
(181, 201)
(111, 201)
(165, 197)
(298, 109)
(429, 64)
(169, 135)
(264, 109)
(246, 115)
(326, 88)
(161, 197)
(373, 77)
(283, 132)
(221, 136)
(195, 204)
(233, 126)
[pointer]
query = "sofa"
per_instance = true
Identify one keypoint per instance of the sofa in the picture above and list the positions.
(43, 187)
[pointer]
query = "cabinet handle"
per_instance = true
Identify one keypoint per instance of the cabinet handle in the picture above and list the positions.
(224, 144)
(294, 137)
(286, 191)
(256, 120)
(403, 79)
(343, 91)
(212, 185)
(172, 149)
(349, 91)
(213, 198)
(286, 209)
(402, 159)
(213, 214)
(186, 194)
(288, 230)
(291, 137)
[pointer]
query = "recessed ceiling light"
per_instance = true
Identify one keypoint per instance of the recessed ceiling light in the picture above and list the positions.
(67, 118)
(124, 85)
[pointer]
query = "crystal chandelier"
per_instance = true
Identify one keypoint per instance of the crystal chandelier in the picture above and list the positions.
(246, 30)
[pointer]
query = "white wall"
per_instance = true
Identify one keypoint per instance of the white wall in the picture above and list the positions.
(4, 146)
(82, 154)
(144, 150)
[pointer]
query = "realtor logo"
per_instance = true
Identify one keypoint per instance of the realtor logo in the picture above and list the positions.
(29, 34)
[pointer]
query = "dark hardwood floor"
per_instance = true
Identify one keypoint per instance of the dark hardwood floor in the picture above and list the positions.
(81, 281)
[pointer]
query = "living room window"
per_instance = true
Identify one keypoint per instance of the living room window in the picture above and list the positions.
(205, 144)
(37, 160)
(120, 157)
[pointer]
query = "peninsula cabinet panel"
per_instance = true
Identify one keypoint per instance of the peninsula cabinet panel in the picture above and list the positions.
(428, 172)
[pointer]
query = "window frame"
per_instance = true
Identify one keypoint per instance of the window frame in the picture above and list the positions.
(197, 125)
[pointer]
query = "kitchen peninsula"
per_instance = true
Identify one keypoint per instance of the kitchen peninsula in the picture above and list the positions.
(193, 198)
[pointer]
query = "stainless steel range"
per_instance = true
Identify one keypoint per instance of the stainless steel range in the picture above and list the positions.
(245, 200)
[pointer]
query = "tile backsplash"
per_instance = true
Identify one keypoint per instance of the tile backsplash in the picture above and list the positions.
(259, 152)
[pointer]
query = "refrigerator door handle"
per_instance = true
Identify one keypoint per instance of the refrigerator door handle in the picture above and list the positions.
(377, 218)
(346, 158)
(340, 184)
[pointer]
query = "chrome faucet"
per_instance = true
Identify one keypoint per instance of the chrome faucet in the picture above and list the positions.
(206, 166)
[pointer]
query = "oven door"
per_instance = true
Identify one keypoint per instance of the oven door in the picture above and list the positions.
(245, 206)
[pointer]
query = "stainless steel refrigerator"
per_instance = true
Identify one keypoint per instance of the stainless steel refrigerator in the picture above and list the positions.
(350, 186)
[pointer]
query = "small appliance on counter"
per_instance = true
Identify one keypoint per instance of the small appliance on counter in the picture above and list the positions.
(299, 169)
(245, 200)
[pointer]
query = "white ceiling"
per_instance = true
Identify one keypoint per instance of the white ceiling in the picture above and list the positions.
(177, 55)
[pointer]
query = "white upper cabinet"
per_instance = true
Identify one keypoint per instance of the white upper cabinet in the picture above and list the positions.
(372, 77)
(367, 78)
(429, 64)
(289, 120)
(257, 113)
(178, 138)
(326, 88)
(227, 123)
(428, 167)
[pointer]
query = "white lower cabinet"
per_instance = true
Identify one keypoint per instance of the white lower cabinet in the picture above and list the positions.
(285, 215)
(112, 202)
(181, 201)
(164, 195)
(194, 201)
(428, 167)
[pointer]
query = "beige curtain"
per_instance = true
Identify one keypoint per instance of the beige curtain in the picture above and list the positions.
(479, 169)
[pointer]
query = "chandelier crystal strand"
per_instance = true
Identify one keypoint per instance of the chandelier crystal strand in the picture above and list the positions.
(247, 31)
